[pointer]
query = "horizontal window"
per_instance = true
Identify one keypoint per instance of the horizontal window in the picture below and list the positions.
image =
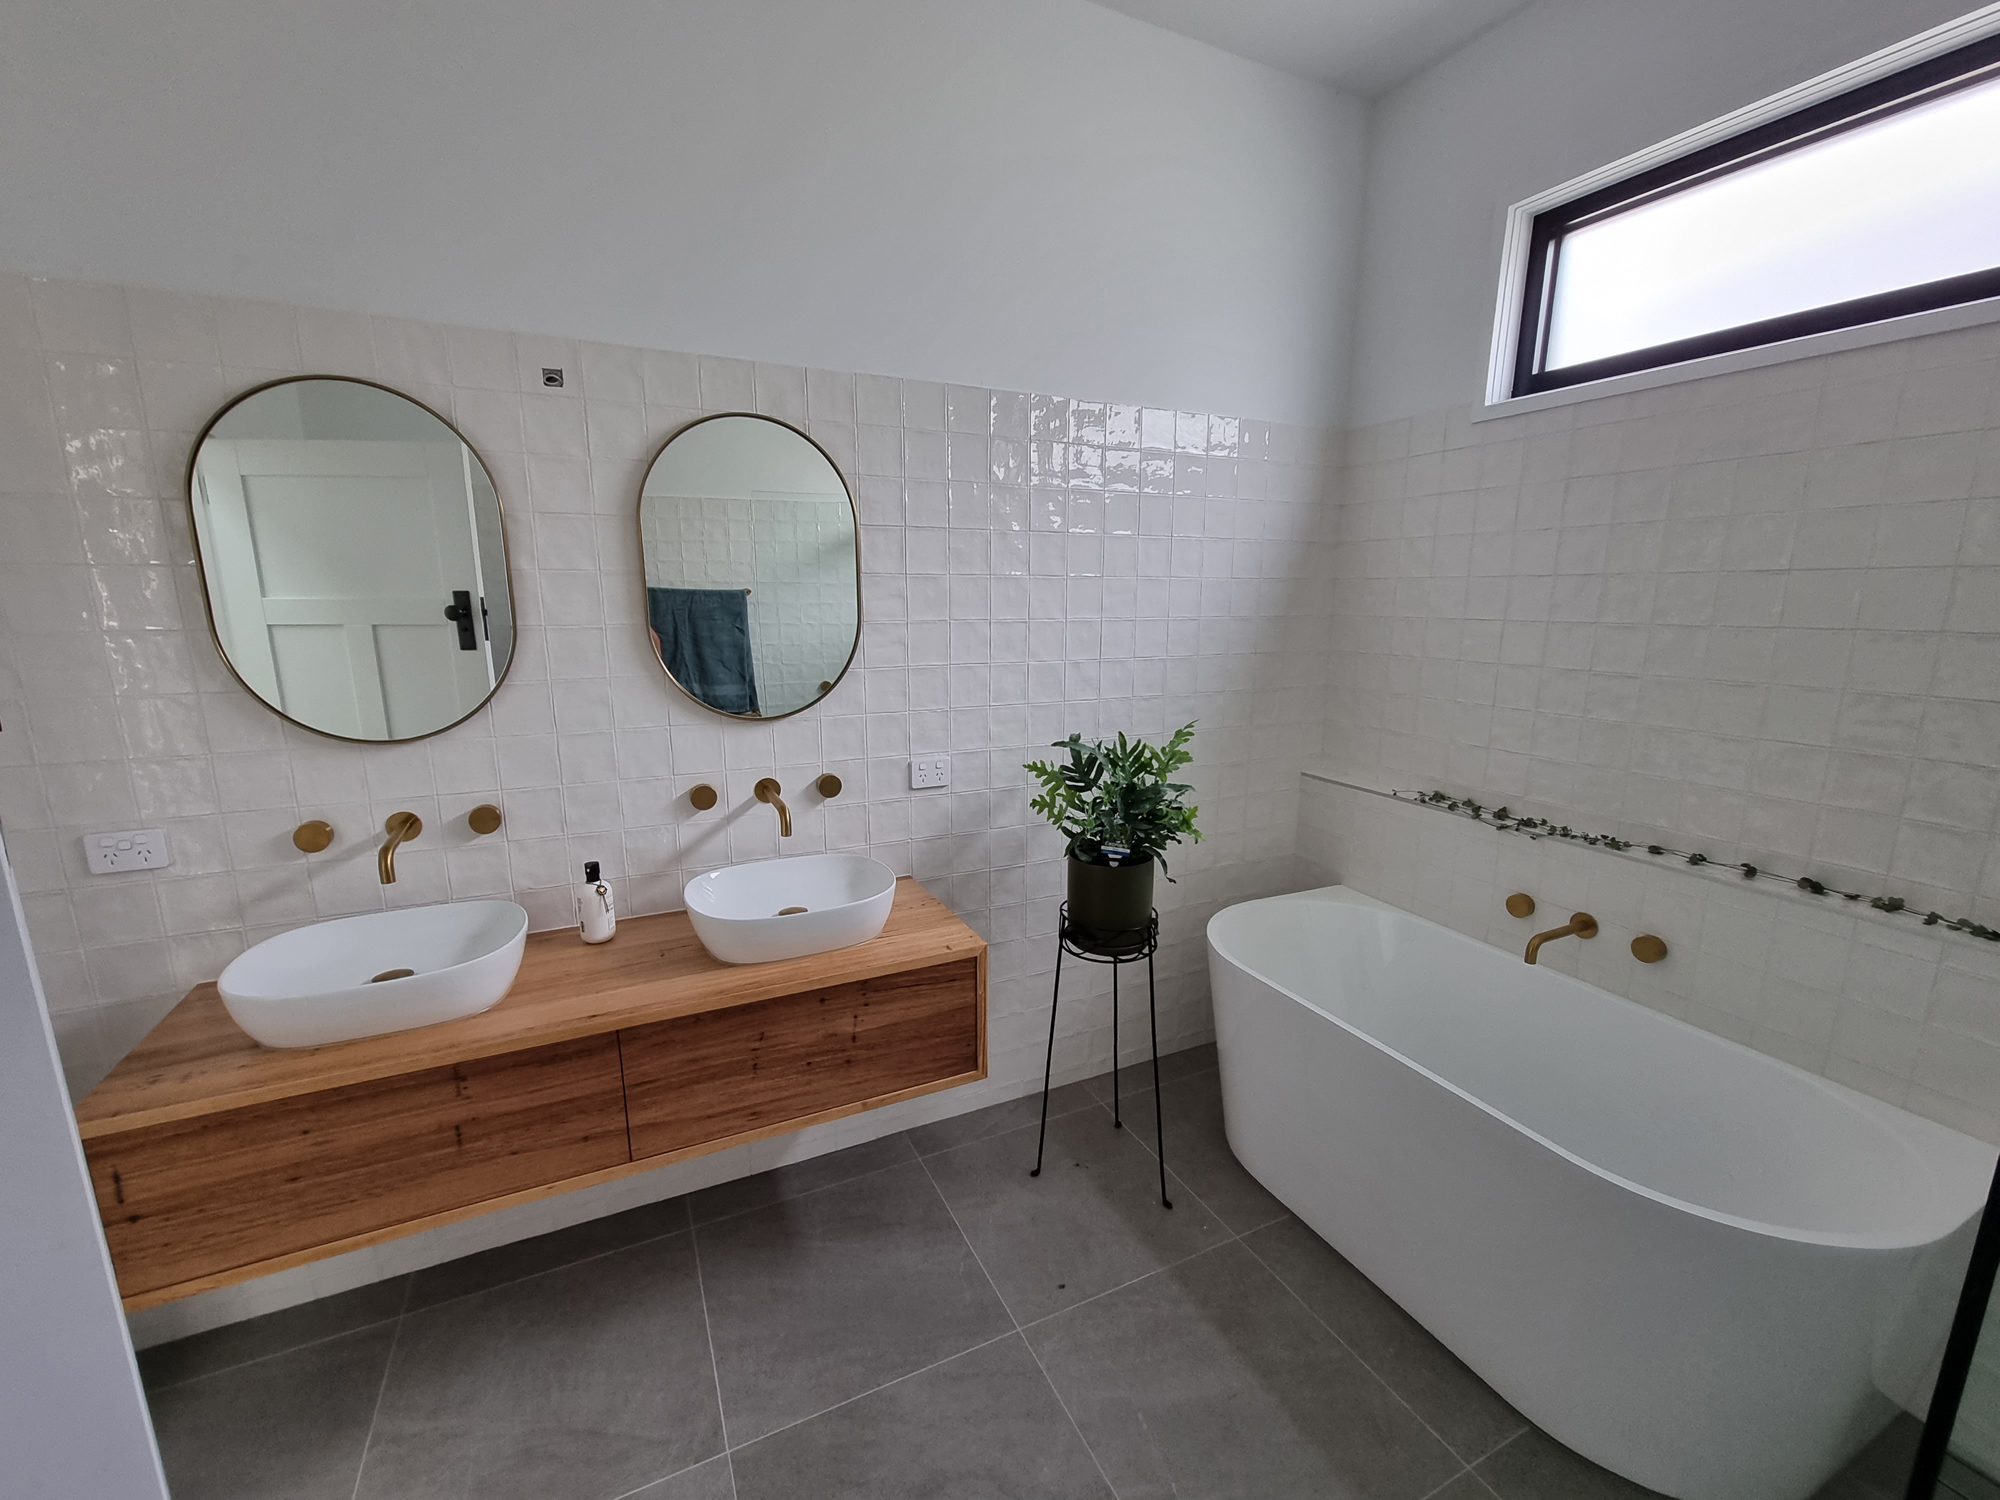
(1874, 204)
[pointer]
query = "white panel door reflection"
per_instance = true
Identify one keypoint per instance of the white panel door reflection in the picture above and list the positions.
(348, 577)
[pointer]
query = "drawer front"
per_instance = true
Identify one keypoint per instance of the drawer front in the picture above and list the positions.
(763, 1066)
(203, 1196)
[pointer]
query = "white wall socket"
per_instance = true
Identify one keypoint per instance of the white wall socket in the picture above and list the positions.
(930, 770)
(135, 849)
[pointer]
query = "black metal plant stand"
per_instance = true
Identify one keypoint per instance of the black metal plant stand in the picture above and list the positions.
(1143, 944)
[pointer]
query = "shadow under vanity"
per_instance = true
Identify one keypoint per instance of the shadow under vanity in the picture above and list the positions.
(354, 565)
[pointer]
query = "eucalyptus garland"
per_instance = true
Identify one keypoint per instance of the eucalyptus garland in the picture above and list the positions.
(1509, 821)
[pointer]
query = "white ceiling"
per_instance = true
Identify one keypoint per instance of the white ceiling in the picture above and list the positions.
(1368, 46)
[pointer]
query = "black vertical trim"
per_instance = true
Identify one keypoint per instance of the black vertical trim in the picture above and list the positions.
(1958, 1350)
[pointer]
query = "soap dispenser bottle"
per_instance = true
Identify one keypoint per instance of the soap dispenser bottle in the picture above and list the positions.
(596, 913)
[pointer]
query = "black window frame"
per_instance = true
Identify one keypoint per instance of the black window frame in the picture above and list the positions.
(1921, 83)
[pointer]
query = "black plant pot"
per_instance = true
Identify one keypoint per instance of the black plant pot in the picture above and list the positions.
(1111, 906)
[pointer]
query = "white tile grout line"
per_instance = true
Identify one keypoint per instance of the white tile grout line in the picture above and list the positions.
(406, 1311)
(874, 1390)
(977, 1260)
(714, 1365)
(381, 1391)
(1243, 1240)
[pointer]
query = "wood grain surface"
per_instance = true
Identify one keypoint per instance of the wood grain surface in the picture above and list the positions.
(726, 1072)
(200, 1196)
(197, 1061)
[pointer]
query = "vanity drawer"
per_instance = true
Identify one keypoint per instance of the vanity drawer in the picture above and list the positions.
(194, 1198)
(755, 1069)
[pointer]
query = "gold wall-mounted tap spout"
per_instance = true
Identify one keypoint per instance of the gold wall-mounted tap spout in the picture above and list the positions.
(401, 828)
(767, 791)
(1581, 924)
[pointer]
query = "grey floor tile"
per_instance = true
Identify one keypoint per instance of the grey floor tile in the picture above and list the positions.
(1139, 1074)
(1468, 1486)
(1205, 1381)
(1198, 1150)
(801, 1177)
(579, 1384)
(1460, 1407)
(1881, 1471)
(984, 1424)
(545, 1252)
(1960, 1480)
(1090, 1222)
(273, 1333)
(290, 1427)
(1534, 1466)
(820, 1298)
(709, 1481)
(998, 1119)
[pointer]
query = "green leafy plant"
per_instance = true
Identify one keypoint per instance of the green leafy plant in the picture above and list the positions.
(1112, 796)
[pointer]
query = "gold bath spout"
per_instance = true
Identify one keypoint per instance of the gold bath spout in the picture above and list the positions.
(767, 791)
(1581, 924)
(401, 828)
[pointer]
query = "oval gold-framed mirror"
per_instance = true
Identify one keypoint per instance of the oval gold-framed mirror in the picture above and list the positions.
(750, 544)
(352, 552)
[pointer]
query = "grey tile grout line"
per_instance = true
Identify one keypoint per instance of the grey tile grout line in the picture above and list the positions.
(1430, 1494)
(1243, 1239)
(1019, 1332)
(1374, 1373)
(381, 1391)
(258, 1359)
(875, 1389)
(714, 1366)
(662, 1479)
(1019, 1327)
(1526, 1428)
(406, 1311)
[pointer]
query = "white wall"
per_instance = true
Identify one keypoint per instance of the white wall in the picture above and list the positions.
(1039, 195)
(73, 1424)
(1561, 88)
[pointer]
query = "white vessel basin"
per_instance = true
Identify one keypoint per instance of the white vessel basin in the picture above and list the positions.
(785, 908)
(326, 983)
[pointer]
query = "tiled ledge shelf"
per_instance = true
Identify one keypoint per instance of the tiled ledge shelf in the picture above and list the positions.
(1770, 883)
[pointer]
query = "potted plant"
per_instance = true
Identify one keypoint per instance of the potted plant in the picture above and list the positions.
(1119, 808)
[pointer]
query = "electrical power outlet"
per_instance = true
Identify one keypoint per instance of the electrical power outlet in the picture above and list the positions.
(930, 770)
(135, 849)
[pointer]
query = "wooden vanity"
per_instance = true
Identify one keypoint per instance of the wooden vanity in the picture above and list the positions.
(215, 1159)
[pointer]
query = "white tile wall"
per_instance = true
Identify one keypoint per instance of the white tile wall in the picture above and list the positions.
(1880, 1003)
(1757, 613)
(1035, 564)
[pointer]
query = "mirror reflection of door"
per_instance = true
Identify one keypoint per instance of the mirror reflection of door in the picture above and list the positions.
(350, 543)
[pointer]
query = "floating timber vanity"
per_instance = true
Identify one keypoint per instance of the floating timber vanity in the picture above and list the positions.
(215, 1159)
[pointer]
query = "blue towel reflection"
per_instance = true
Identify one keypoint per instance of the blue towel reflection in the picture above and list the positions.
(703, 637)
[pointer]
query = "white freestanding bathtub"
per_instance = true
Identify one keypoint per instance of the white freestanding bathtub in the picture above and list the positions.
(1705, 1269)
